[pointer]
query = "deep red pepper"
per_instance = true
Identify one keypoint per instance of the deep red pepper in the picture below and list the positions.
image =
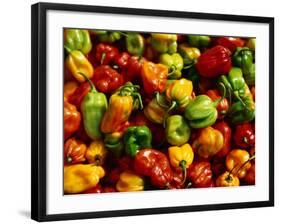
(126, 163)
(78, 95)
(121, 60)
(113, 175)
(226, 131)
(244, 135)
(250, 177)
(155, 164)
(214, 62)
(218, 165)
(200, 174)
(106, 53)
(223, 105)
(231, 43)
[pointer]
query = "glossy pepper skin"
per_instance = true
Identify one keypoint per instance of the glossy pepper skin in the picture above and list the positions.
(174, 62)
(223, 105)
(231, 43)
(154, 164)
(79, 94)
(154, 77)
(93, 108)
(77, 39)
(177, 130)
(154, 111)
(214, 62)
(130, 181)
(227, 180)
(71, 118)
(96, 153)
(81, 177)
(106, 53)
(114, 143)
(200, 174)
(135, 44)
(189, 54)
(250, 177)
(107, 36)
(199, 41)
(74, 151)
(77, 63)
(163, 43)
(69, 88)
(136, 138)
(208, 143)
(244, 135)
(201, 112)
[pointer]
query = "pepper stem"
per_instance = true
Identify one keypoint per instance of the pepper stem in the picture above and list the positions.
(183, 167)
(67, 49)
(245, 163)
(93, 88)
(189, 66)
(236, 94)
(159, 101)
(103, 55)
(173, 69)
(174, 104)
(216, 102)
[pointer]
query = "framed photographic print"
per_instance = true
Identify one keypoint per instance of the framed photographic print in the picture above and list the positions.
(139, 111)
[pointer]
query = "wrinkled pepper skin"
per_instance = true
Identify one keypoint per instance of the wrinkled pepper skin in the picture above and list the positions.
(96, 153)
(136, 138)
(177, 130)
(74, 151)
(135, 44)
(200, 174)
(154, 164)
(154, 111)
(164, 43)
(77, 39)
(107, 36)
(79, 94)
(223, 105)
(130, 181)
(199, 41)
(209, 142)
(231, 43)
(244, 135)
(189, 54)
(105, 53)
(227, 180)
(214, 62)
(81, 177)
(201, 112)
(114, 143)
(174, 63)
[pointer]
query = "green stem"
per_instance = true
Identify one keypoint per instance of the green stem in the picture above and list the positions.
(244, 164)
(173, 69)
(174, 104)
(159, 102)
(236, 94)
(189, 66)
(183, 167)
(138, 96)
(102, 57)
(67, 49)
(93, 88)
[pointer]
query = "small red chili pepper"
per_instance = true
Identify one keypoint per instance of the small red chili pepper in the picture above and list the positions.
(106, 53)
(200, 174)
(244, 135)
(223, 105)
(79, 94)
(231, 43)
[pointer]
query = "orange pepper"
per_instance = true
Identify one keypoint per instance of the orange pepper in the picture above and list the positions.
(227, 180)
(74, 151)
(69, 88)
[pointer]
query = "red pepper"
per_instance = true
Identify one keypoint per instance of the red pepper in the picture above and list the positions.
(155, 164)
(250, 177)
(223, 106)
(106, 79)
(231, 43)
(177, 182)
(121, 60)
(108, 190)
(224, 128)
(218, 166)
(78, 95)
(113, 175)
(214, 62)
(126, 163)
(244, 135)
(106, 53)
(200, 174)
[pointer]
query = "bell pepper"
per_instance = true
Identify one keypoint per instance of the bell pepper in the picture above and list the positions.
(105, 53)
(121, 105)
(79, 94)
(74, 151)
(208, 143)
(223, 105)
(201, 112)
(77, 39)
(136, 138)
(130, 181)
(250, 177)
(81, 177)
(199, 41)
(189, 54)
(154, 164)
(174, 62)
(251, 44)
(226, 131)
(244, 135)
(200, 174)
(231, 43)
(106, 79)
(77, 63)
(181, 157)
(114, 143)
(227, 180)
(155, 110)
(135, 43)
(214, 62)
(177, 130)
(72, 119)
(154, 77)
(93, 108)
(69, 88)
(96, 153)
(163, 43)
(107, 36)
(238, 162)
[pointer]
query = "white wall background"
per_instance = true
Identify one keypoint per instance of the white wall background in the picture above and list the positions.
(15, 110)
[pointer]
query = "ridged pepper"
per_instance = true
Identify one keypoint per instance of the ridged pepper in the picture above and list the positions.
(199, 41)
(177, 130)
(135, 43)
(81, 177)
(189, 54)
(136, 138)
(107, 36)
(105, 53)
(244, 135)
(227, 180)
(93, 108)
(200, 174)
(130, 181)
(231, 43)
(77, 63)
(223, 105)
(77, 39)
(163, 43)
(154, 77)
(181, 157)
(208, 143)
(114, 143)
(74, 151)
(156, 109)
(96, 153)
(174, 62)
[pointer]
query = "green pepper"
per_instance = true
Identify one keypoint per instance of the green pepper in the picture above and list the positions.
(250, 76)
(93, 107)
(199, 41)
(76, 39)
(163, 43)
(136, 138)
(201, 112)
(174, 62)
(107, 36)
(177, 130)
(135, 44)
(189, 54)
(113, 142)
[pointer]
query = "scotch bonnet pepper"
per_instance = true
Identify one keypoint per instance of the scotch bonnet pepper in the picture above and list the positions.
(156, 109)
(74, 151)
(200, 174)
(107, 36)
(199, 41)
(227, 180)
(163, 43)
(189, 54)
(135, 43)
(244, 135)
(96, 153)
(174, 63)
(106, 53)
(114, 143)
(130, 181)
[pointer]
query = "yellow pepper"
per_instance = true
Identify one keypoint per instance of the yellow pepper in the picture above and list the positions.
(77, 63)
(238, 162)
(209, 142)
(69, 88)
(96, 153)
(155, 112)
(227, 180)
(81, 177)
(189, 54)
(129, 181)
(181, 157)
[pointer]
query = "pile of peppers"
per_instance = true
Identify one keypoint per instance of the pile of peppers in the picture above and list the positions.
(149, 111)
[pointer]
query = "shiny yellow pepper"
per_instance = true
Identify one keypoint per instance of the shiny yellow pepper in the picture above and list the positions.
(77, 63)
(96, 153)
(129, 181)
(227, 180)
(81, 177)
(154, 111)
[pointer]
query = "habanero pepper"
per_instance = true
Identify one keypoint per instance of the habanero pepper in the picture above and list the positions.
(106, 53)
(96, 153)
(156, 110)
(227, 180)
(231, 43)
(200, 174)
(250, 177)
(244, 135)
(174, 62)
(107, 36)
(189, 54)
(69, 88)
(223, 105)
(135, 43)
(130, 181)
(74, 151)
(199, 41)
(163, 43)
(79, 94)
(114, 143)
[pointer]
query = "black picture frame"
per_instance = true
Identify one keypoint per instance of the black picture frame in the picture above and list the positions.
(39, 122)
